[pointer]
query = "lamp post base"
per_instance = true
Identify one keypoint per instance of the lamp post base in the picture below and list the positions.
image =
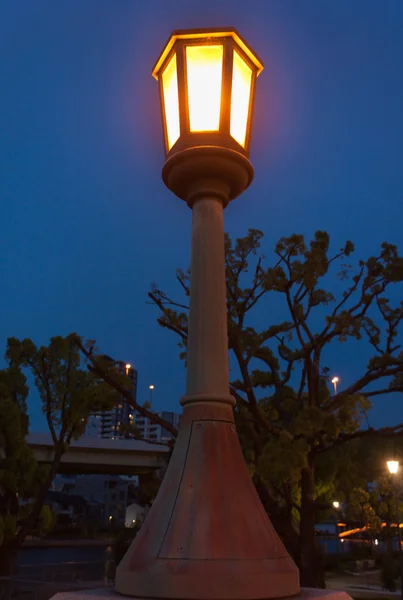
(207, 535)
(108, 594)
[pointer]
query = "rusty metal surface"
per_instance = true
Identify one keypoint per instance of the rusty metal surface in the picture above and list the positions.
(218, 514)
(207, 535)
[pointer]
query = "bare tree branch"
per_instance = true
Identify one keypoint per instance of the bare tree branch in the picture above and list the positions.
(343, 438)
(96, 368)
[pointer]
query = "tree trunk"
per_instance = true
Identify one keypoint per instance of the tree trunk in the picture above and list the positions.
(29, 524)
(8, 559)
(389, 538)
(311, 568)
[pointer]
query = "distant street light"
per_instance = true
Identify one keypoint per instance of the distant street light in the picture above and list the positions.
(207, 535)
(335, 381)
(151, 388)
(336, 505)
(128, 367)
(393, 467)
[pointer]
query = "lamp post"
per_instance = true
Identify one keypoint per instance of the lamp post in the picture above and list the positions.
(151, 388)
(207, 535)
(335, 381)
(336, 506)
(393, 468)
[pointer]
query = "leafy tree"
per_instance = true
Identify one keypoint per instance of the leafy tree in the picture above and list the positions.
(69, 394)
(290, 435)
(376, 506)
(20, 476)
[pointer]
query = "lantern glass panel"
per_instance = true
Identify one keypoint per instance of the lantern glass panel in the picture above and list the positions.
(171, 101)
(204, 84)
(240, 98)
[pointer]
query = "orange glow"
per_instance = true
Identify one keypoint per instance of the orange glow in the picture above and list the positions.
(204, 83)
(351, 532)
(359, 529)
(241, 88)
(171, 101)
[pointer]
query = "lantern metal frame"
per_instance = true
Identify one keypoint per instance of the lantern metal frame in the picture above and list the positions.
(232, 42)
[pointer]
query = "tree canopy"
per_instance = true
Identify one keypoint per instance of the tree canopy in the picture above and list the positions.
(69, 393)
(290, 419)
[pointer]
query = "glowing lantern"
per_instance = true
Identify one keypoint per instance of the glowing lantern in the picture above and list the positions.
(207, 80)
(393, 466)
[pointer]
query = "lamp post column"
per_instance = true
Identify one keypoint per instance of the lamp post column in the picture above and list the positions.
(207, 368)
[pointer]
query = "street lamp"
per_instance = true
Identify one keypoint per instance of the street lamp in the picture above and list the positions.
(335, 381)
(336, 505)
(128, 367)
(151, 388)
(393, 467)
(207, 81)
(207, 535)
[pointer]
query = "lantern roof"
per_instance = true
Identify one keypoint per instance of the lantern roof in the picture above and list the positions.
(216, 32)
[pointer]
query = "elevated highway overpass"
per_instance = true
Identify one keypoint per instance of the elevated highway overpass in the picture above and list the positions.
(91, 455)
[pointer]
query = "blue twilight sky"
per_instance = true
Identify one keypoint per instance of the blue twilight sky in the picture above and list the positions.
(86, 223)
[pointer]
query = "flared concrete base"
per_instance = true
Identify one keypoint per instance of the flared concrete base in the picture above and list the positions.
(109, 594)
(207, 535)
